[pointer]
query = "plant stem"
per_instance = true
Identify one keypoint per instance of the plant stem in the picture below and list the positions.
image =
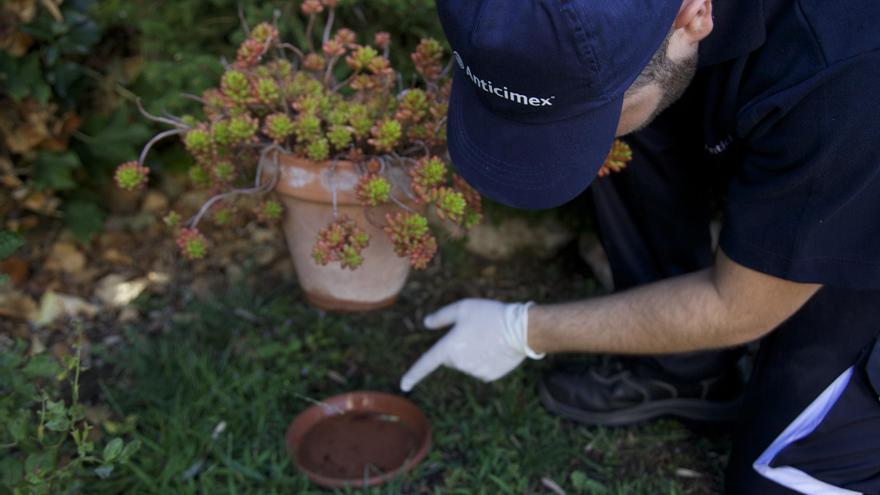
(309, 27)
(156, 139)
(347, 80)
(241, 18)
(329, 26)
(297, 51)
(329, 73)
(191, 96)
(154, 118)
(258, 187)
(75, 385)
(398, 203)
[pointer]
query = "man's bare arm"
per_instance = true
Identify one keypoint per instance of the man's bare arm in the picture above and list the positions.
(722, 306)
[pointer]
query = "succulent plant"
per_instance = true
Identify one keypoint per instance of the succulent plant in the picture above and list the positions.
(341, 241)
(270, 211)
(192, 243)
(329, 98)
(172, 219)
(619, 156)
(278, 127)
(411, 237)
(449, 204)
(131, 176)
(373, 190)
(428, 59)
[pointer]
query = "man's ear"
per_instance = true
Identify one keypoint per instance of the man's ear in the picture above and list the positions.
(695, 20)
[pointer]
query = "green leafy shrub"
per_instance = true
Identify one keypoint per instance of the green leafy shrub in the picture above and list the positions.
(46, 444)
(61, 127)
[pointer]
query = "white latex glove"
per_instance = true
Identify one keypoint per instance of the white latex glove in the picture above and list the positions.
(488, 340)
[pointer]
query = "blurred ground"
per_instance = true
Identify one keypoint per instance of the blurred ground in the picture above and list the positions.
(176, 349)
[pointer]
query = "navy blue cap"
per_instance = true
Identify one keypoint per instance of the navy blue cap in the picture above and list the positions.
(538, 89)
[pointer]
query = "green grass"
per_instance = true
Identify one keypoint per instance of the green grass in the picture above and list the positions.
(252, 359)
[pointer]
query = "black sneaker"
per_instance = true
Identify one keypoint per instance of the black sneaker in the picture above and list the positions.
(620, 391)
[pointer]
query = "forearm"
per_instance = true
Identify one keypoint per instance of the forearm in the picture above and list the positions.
(726, 305)
(680, 314)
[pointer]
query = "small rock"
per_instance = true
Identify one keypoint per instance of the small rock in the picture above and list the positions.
(207, 286)
(264, 254)
(128, 315)
(121, 201)
(155, 202)
(115, 291)
(141, 221)
(61, 350)
(284, 268)
(158, 278)
(85, 276)
(501, 241)
(260, 235)
(234, 272)
(117, 257)
(37, 345)
(65, 257)
(191, 200)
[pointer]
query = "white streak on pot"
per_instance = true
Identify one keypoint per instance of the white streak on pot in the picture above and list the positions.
(343, 180)
(297, 177)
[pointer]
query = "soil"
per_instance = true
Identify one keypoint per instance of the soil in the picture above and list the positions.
(355, 446)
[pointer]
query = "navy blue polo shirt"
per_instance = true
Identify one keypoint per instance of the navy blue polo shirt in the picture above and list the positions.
(792, 110)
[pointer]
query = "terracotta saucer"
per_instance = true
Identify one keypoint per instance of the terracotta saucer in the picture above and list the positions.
(358, 439)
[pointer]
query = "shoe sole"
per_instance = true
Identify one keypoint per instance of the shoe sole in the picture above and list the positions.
(694, 409)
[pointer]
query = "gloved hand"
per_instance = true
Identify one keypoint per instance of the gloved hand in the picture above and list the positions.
(487, 341)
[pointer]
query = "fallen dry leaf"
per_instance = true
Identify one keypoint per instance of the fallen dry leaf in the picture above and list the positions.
(115, 291)
(17, 269)
(65, 257)
(52, 7)
(8, 177)
(25, 125)
(25, 10)
(54, 306)
(41, 202)
(15, 304)
(16, 43)
(117, 257)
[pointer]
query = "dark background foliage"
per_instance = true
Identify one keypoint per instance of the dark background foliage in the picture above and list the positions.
(69, 77)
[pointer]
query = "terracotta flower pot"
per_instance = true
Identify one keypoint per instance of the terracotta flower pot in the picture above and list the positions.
(306, 188)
